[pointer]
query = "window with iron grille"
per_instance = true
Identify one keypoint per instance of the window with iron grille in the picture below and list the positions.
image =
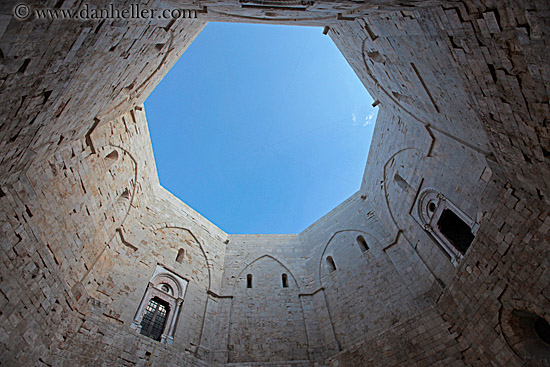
(154, 319)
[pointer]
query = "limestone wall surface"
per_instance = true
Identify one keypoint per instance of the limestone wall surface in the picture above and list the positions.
(479, 182)
(59, 77)
(372, 294)
(462, 88)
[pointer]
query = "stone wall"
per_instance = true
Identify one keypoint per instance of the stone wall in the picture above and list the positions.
(462, 88)
(491, 282)
(266, 321)
(59, 77)
(398, 345)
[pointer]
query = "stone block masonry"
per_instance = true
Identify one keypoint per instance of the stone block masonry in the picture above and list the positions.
(462, 91)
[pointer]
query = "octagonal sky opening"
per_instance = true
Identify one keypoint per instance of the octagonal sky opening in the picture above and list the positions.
(261, 128)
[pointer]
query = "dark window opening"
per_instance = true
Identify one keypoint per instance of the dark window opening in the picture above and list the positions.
(542, 329)
(362, 243)
(331, 264)
(154, 319)
(181, 254)
(284, 278)
(431, 207)
(457, 232)
(249, 281)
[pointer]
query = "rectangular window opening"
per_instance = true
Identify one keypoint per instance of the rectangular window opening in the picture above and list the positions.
(284, 278)
(456, 230)
(154, 318)
(180, 256)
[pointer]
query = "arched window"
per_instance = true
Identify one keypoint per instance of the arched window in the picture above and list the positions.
(362, 243)
(249, 281)
(181, 254)
(284, 279)
(154, 318)
(528, 334)
(331, 264)
(160, 307)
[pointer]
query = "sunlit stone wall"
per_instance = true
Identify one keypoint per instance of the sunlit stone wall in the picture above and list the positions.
(462, 92)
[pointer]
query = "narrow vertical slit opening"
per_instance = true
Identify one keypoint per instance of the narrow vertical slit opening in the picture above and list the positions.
(331, 264)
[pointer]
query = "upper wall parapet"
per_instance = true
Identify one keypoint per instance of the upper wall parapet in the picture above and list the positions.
(300, 12)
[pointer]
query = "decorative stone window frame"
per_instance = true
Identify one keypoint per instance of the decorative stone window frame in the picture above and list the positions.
(430, 206)
(178, 285)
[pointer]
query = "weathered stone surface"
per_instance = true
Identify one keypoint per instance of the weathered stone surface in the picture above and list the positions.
(462, 88)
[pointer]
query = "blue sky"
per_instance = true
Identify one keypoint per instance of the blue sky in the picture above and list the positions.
(261, 129)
